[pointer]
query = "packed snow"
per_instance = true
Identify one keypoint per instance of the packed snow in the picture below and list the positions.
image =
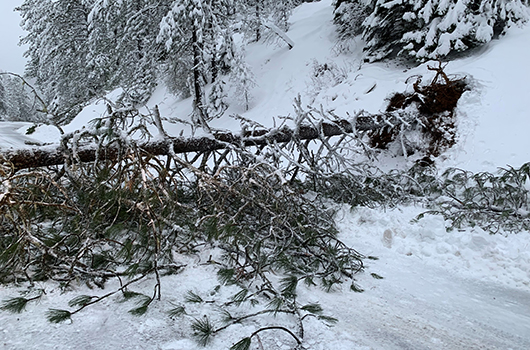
(463, 289)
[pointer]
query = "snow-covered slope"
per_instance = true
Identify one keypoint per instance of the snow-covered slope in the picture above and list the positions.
(496, 115)
(441, 290)
(492, 117)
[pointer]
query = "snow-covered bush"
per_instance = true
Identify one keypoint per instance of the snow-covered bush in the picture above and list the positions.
(349, 16)
(324, 76)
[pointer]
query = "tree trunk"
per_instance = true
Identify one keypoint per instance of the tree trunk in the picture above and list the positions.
(199, 110)
(48, 156)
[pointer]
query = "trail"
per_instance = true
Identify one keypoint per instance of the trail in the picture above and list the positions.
(424, 307)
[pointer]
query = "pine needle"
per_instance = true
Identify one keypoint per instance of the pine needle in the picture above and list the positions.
(177, 311)
(240, 297)
(202, 331)
(226, 276)
(330, 321)
(288, 286)
(354, 287)
(143, 304)
(14, 305)
(243, 344)
(81, 300)
(192, 297)
(58, 316)
(315, 309)
(376, 276)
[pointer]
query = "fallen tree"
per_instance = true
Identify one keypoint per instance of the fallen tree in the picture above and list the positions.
(259, 205)
(432, 115)
(48, 156)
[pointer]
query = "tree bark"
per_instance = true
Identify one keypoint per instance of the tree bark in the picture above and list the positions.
(49, 155)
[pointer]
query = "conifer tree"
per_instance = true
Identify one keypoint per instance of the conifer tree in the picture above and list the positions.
(217, 99)
(348, 17)
(2, 98)
(243, 80)
(17, 102)
(205, 26)
(281, 11)
(255, 14)
(57, 46)
(123, 44)
(426, 29)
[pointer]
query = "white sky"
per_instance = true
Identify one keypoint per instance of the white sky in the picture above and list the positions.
(10, 32)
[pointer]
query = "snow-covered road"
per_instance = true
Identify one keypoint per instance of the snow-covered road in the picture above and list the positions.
(425, 300)
(414, 307)
(441, 290)
(424, 307)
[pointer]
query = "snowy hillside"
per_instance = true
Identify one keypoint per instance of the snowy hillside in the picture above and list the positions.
(464, 289)
(491, 116)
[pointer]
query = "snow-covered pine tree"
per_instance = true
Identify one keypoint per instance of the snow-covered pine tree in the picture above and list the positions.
(256, 14)
(217, 99)
(193, 29)
(242, 79)
(123, 44)
(252, 14)
(3, 108)
(80, 49)
(281, 12)
(17, 101)
(349, 16)
(431, 29)
(57, 46)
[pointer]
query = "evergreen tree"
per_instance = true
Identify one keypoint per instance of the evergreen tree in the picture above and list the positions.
(426, 29)
(17, 101)
(81, 49)
(253, 13)
(243, 80)
(57, 48)
(194, 29)
(256, 14)
(3, 109)
(123, 44)
(217, 98)
(281, 11)
(348, 17)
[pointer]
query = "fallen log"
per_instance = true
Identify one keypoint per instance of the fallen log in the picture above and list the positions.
(49, 155)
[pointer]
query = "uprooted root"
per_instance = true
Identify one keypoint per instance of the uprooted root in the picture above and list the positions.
(433, 106)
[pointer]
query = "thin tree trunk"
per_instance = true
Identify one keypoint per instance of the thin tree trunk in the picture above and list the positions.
(200, 116)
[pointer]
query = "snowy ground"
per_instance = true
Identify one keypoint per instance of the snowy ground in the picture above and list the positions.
(461, 290)
(441, 290)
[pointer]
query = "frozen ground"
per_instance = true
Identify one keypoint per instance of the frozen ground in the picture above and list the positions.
(441, 290)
